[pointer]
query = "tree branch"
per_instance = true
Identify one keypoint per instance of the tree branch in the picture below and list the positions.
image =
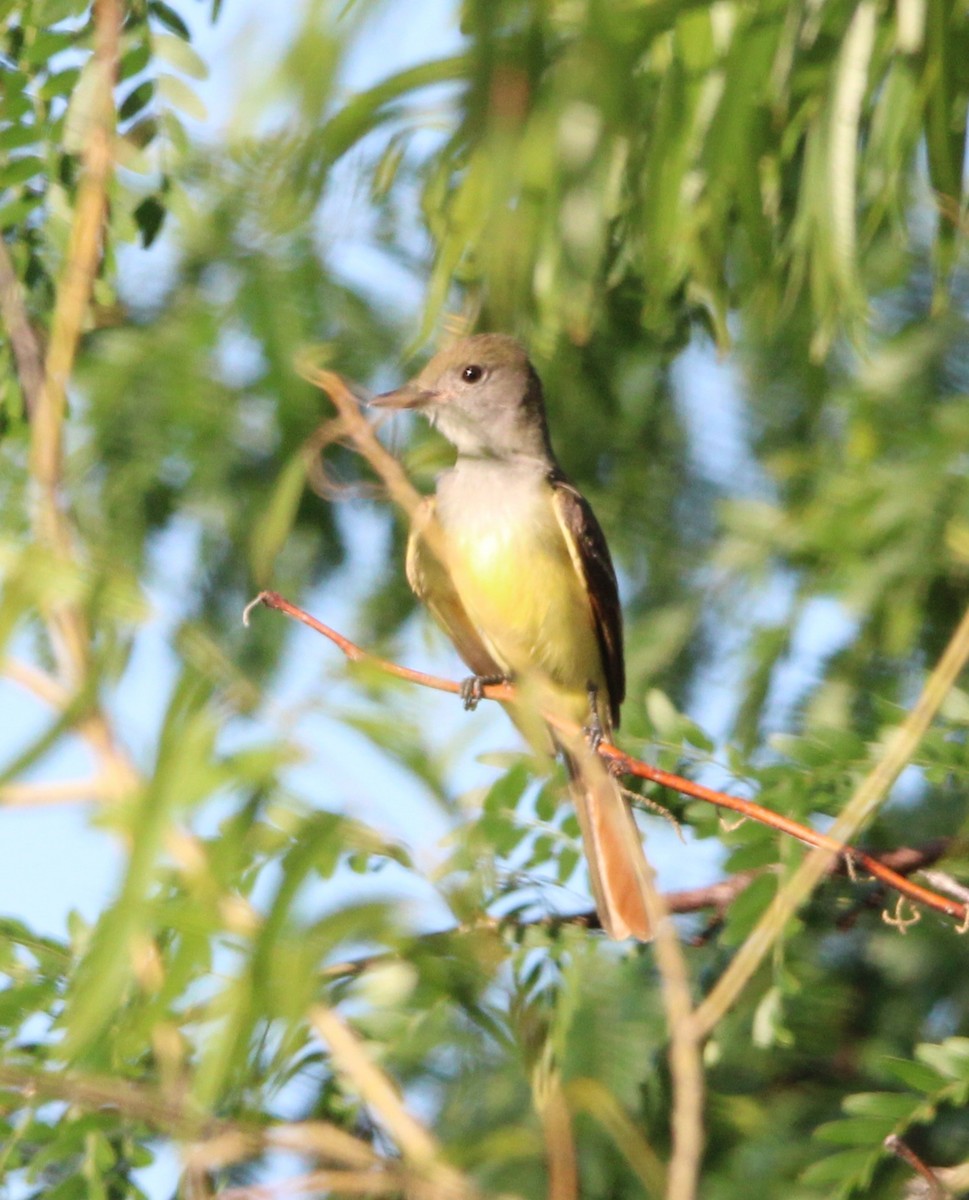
(418, 1146)
(717, 896)
(896, 753)
(867, 863)
(46, 392)
(60, 791)
(27, 354)
(80, 268)
(213, 1142)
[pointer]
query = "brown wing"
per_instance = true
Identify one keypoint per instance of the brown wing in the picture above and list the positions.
(587, 545)
(432, 584)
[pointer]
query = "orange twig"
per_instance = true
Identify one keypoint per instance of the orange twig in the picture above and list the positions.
(937, 1191)
(634, 766)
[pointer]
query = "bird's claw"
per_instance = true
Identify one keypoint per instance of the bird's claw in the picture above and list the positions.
(472, 689)
(593, 732)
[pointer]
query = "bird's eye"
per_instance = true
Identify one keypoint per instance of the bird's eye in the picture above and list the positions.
(472, 373)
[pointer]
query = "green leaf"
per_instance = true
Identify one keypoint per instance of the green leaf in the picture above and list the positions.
(273, 525)
(178, 53)
(505, 793)
(747, 908)
(568, 860)
(914, 1074)
(768, 1027)
(951, 1058)
(17, 137)
(847, 1169)
(134, 60)
(19, 170)
(890, 1106)
(371, 108)
(136, 100)
(45, 45)
(858, 1131)
(169, 18)
(60, 83)
(547, 801)
(181, 97)
(150, 216)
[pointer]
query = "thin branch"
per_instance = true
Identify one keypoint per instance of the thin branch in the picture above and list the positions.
(803, 833)
(901, 1149)
(718, 896)
(218, 1142)
(896, 753)
(118, 777)
(593, 1097)
(27, 354)
(561, 1160)
(45, 687)
(834, 849)
(69, 632)
(355, 653)
(353, 428)
(66, 622)
(685, 1057)
(374, 1087)
(92, 1092)
(61, 791)
(80, 268)
(338, 1183)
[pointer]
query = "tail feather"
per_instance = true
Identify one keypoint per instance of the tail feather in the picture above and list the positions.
(618, 871)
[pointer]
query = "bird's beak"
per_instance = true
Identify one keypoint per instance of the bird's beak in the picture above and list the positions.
(410, 395)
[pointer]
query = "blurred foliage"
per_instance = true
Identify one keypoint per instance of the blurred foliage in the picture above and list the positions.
(733, 235)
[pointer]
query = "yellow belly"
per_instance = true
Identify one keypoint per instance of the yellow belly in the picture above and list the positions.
(522, 592)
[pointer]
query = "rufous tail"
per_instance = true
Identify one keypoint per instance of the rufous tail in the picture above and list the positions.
(618, 871)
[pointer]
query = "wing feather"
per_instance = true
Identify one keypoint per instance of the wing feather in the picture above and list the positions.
(590, 554)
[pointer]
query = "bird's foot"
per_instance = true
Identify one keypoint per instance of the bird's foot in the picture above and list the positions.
(472, 689)
(593, 732)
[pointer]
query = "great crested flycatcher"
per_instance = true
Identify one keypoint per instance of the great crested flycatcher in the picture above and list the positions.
(511, 561)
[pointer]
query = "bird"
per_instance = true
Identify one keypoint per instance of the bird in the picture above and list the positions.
(508, 557)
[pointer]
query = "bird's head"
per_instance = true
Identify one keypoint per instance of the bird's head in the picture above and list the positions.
(483, 394)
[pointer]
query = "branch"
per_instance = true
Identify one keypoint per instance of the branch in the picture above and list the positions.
(118, 776)
(80, 267)
(836, 852)
(896, 752)
(374, 1087)
(45, 687)
(336, 1183)
(27, 355)
(934, 1186)
(717, 896)
(218, 1142)
(60, 791)
(66, 623)
(45, 389)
